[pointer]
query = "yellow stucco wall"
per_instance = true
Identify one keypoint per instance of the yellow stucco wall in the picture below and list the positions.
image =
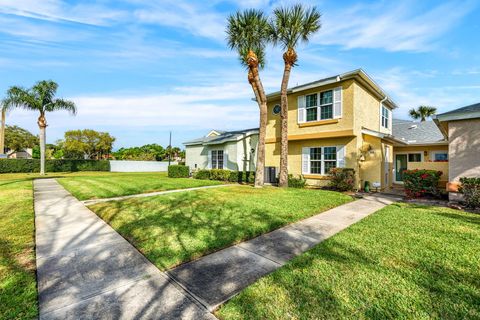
(375, 167)
(360, 108)
(367, 110)
(426, 150)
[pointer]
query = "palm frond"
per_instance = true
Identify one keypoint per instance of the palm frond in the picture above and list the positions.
(18, 97)
(248, 30)
(61, 104)
(291, 25)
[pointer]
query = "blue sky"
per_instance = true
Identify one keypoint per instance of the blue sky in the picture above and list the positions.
(140, 68)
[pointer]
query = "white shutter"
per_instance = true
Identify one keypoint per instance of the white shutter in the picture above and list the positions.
(390, 115)
(305, 160)
(301, 109)
(225, 159)
(337, 102)
(341, 156)
(209, 164)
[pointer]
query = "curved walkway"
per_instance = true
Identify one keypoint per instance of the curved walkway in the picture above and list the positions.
(86, 270)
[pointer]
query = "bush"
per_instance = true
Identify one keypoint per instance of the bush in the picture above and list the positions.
(342, 179)
(418, 183)
(296, 182)
(202, 174)
(61, 165)
(220, 174)
(470, 188)
(242, 176)
(178, 171)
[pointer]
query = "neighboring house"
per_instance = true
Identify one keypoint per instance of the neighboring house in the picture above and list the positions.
(419, 145)
(23, 154)
(340, 121)
(231, 150)
(462, 129)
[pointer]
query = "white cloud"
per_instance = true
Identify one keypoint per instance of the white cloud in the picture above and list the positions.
(393, 26)
(57, 10)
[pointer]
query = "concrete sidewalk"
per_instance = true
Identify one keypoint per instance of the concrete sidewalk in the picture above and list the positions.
(151, 194)
(86, 270)
(215, 278)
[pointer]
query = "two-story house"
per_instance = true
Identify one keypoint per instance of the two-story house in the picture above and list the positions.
(340, 121)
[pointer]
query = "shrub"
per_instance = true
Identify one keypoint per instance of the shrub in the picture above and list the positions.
(220, 174)
(296, 182)
(178, 171)
(60, 165)
(342, 179)
(203, 174)
(242, 176)
(418, 183)
(470, 188)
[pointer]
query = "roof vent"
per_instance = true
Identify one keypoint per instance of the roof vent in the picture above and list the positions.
(413, 126)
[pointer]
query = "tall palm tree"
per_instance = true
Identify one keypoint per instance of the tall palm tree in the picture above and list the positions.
(422, 112)
(4, 108)
(291, 26)
(248, 32)
(41, 98)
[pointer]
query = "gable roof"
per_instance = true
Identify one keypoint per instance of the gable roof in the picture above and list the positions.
(224, 136)
(469, 112)
(412, 133)
(358, 74)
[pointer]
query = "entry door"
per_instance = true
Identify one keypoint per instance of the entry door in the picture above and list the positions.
(400, 166)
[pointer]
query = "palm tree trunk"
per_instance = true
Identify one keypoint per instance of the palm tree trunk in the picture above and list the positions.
(43, 126)
(283, 179)
(260, 169)
(2, 133)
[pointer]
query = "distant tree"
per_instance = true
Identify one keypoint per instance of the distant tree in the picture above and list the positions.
(422, 112)
(88, 143)
(17, 139)
(40, 98)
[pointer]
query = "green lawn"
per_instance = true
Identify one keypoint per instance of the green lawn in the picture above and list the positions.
(18, 292)
(175, 228)
(95, 185)
(404, 262)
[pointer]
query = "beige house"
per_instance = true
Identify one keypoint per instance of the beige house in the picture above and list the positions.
(462, 129)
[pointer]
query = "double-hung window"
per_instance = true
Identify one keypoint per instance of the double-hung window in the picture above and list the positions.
(217, 159)
(385, 117)
(319, 106)
(322, 159)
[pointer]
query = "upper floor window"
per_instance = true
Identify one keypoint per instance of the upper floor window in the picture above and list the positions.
(319, 106)
(217, 159)
(385, 117)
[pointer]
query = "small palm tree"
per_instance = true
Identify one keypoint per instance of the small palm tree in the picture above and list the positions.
(291, 26)
(422, 112)
(41, 98)
(248, 32)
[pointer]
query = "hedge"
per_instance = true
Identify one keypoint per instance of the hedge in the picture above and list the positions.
(178, 171)
(296, 182)
(420, 182)
(470, 188)
(61, 165)
(225, 175)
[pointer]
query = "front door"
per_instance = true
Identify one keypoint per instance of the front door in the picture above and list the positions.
(400, 166)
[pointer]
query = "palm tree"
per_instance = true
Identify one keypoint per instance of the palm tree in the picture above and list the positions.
(248, 33)
(41, 98)
(422, 112)
(290, 26)
(4, 107)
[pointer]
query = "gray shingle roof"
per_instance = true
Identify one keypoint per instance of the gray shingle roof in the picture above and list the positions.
(468, 112)
(225, 136)
(417, 132)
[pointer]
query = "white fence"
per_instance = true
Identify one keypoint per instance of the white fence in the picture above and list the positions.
(139, 166)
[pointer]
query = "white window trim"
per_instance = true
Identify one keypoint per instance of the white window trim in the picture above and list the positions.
(434, 152)
(319, 106)
(387, 118)
(211, 158)
(322, 160)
